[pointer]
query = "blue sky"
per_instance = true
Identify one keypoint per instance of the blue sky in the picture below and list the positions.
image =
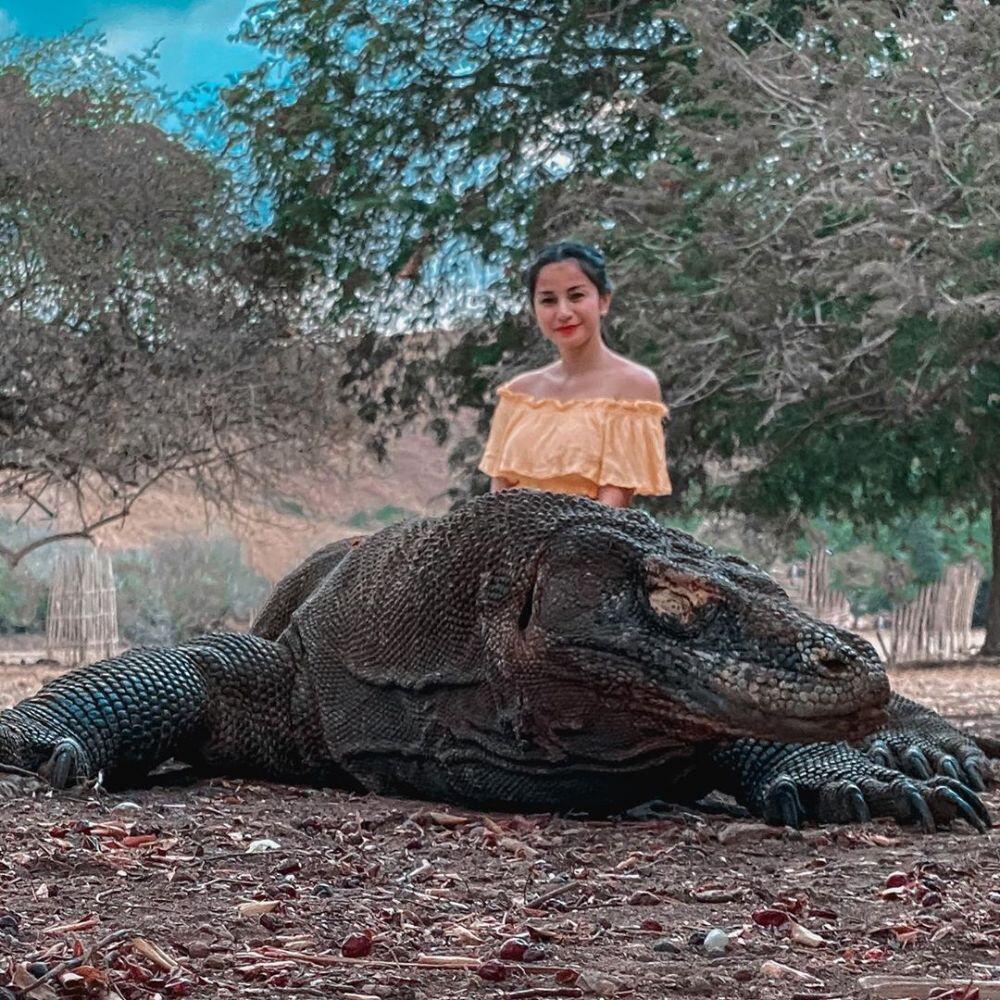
(194, 32)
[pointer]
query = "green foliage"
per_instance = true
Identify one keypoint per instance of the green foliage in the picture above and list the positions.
(383, 131)
(184, 587)
(372, 520)
(23, 598)
(879, 565)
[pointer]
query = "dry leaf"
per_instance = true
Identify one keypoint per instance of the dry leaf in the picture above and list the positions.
(803, 936)
(256, 908)
(154, 954)
(775, 970)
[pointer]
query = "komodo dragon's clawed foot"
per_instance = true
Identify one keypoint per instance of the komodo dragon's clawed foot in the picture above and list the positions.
(920, 743)
(31, 755)
(834, 783)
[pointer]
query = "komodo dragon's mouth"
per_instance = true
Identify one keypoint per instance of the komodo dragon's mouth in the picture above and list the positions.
(743, 718)
(727, 713)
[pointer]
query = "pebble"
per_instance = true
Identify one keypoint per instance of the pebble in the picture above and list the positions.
(322, 890)
(716, 942)
(9, 925)
(262, 846)
(125, 806)
(643, 898)
(198, 949)
(668, 946)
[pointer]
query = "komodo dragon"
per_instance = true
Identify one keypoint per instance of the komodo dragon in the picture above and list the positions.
(526, 651)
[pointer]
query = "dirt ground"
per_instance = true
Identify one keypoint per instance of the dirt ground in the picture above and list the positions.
(235, 888)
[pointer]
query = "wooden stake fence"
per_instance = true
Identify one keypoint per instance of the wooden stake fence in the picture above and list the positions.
(82, 620)
(937, 623)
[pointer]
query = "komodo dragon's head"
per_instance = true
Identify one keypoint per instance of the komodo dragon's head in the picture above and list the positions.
(613, 614)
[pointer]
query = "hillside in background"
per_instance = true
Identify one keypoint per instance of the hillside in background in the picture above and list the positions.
(351, 494)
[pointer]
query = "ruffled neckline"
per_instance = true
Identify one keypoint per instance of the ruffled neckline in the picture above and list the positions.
(595, 402)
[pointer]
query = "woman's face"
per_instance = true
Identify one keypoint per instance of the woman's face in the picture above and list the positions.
(567, 305)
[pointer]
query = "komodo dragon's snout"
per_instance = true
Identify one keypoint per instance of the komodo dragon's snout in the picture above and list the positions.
(705, 640)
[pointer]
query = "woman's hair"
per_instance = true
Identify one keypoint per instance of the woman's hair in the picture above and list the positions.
(590, 259)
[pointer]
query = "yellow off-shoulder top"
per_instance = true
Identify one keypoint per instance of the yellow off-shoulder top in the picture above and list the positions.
(577, 445)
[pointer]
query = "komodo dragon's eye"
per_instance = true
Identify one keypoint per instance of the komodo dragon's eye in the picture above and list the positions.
(678, 594)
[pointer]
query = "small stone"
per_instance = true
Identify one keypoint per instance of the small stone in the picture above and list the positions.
(38, 969)
(356, 946)
(698, 986)
(667, 946)
(743, 975)
(262, 846)
(514, 948)
(216, 962)
(198, 949)
(716, 942)
(126, 807)
(9, 925)
(322, 890)
(643, 898)
(494, 972)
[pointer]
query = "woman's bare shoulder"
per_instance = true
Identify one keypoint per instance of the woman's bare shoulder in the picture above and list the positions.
(531, 383)
(631, 380)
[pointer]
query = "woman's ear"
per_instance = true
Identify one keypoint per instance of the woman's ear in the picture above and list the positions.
(605, 303)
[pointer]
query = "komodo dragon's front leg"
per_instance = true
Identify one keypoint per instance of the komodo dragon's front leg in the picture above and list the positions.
(222, 701)
(917, 768)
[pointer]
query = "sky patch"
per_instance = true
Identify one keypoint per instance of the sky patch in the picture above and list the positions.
(193, 35)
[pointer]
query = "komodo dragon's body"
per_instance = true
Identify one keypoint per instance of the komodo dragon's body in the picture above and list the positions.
(526, 651)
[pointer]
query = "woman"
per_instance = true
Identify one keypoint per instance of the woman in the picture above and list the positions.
(591, 422)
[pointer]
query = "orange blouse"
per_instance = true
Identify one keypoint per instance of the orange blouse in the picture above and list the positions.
(577, 445)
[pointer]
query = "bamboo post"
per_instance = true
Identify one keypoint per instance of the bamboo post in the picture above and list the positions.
(82, 619)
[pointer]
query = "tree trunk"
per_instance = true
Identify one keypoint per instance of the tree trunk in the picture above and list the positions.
(991, 647)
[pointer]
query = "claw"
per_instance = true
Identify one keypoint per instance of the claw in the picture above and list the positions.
(972, 800)
(949, 765)
(879, 752)
(961, 807)
(919, 808)
(916, 763)
(857, 805)
(973, 776)
(783, 803)
(62, 765)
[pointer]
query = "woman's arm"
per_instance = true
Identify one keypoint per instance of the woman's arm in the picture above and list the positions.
(614, 496)
(498, 483)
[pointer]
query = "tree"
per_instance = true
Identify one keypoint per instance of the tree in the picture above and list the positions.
(387, 136)
(142, 338)
(811, 262)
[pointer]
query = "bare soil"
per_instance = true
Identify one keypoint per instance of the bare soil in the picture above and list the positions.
(234, 888)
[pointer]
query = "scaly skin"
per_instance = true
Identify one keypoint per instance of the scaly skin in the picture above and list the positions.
(525, 651)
